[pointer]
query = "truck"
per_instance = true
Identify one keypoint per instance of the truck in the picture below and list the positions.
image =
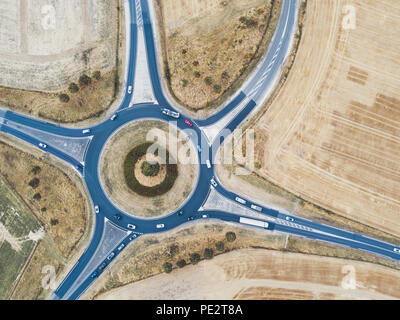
(253, 222)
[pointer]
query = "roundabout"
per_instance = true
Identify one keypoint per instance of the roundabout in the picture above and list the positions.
(148, 184)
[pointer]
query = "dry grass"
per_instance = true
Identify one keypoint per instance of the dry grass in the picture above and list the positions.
(89, 101)
(199, 48)
(113, 178)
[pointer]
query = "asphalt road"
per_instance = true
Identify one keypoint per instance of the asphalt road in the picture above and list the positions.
(254, 90)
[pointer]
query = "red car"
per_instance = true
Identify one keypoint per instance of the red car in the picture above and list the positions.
(188, 123)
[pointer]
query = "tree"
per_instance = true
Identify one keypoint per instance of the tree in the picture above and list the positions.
(230, 236)
(194, 258)
(208, 253)
(36, 169)
(96, 75)
(220, 246)
(63, 97)
(217, 88)
(73, 87)
(37, 196)
(181, 263)
(208, 81)
(167, 267)
(84, 80)
(53, 221)
(34, 183)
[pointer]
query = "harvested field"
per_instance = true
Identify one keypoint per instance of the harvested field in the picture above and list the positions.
(266, 274)
(209, 47)
(145, 257)
(331, 136)
(44, 47)
(113, 176)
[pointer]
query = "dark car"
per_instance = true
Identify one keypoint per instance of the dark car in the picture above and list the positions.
(180, 213)
(102, 266)
(190, 218)
(117, 216)
(94, 274)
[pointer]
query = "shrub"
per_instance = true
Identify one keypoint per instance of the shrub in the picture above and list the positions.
(225, 75)
(184, 83)
(197, 74)
(220, 246)
(63, 97)
(37, 196)
(217, 88)
(36, 169)
(133, 183)
(195, 63)
(230, 236)
(84, 80)
(149, 169)
(194, 258)
(167, 267)
(34, 183)
(73, 87)
(181, 263)
(44, 209)
(53, 221)
(208, 81)
(96, 75)
(208, 253)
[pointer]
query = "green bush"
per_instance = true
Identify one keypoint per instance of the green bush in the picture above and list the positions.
(36, 169)
(197, 74)
(84, 80)
(73, 87)
(217, 88)
(63, 97)
(220, 246)
(37, 196)
(208, 81)
(230, 236)
(34, 183)
(181, 263)
(167, 267)
(208, 253)
(194, 258)
(130, 178)
(96, 75)
(149, 169)
(53, 221)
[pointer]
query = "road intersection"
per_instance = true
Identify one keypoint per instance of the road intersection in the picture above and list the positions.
(82, 149)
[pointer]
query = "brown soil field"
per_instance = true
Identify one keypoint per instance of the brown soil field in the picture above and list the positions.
(267, 274)
(112, 171)
(61, 208)
(331, 135)
(53, 52)
(209, 47)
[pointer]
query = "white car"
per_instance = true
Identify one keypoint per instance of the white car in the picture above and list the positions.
(254, 207)
(289, 219)
(110, 256)
(130, 89)
(43, 145)
(96, 209)
(113, 116)
(208, 164)
(85, 130)
(160, 225)
(240, 200)
(397, 250)
(121, 247)
(131, 226)
(213, 182)
(204, 216)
